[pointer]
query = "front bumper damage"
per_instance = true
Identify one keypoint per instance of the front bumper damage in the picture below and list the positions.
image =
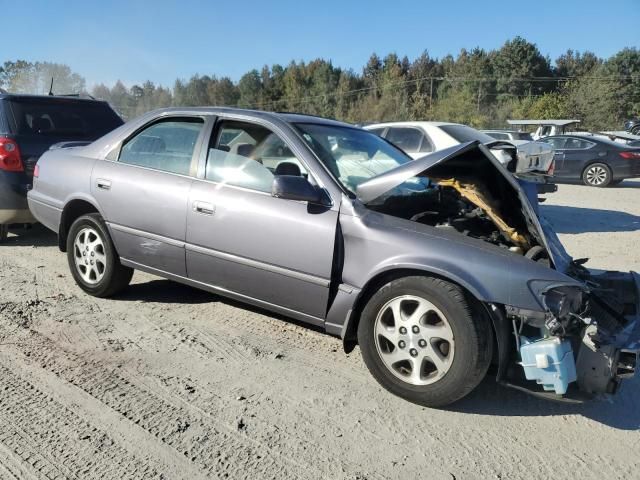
(586, 354)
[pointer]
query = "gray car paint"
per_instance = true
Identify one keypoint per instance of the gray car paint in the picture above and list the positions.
(284, 263)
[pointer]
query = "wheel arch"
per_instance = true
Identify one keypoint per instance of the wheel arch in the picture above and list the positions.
(349, 337)
(72, 210)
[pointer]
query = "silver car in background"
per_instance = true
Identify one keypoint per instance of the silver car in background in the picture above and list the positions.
(437, 267)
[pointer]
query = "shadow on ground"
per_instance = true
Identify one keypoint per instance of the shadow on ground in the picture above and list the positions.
(620, 411)
(34, 236)
(581, 220)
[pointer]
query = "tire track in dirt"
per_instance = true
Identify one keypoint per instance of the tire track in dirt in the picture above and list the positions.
(215, 448)
(54, 441)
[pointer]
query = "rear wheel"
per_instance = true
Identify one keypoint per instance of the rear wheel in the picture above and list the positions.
(4, 232)
(92, 258)
(420, 341)
(597, 175)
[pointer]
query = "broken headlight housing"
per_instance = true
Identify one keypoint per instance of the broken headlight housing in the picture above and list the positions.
(563, 300)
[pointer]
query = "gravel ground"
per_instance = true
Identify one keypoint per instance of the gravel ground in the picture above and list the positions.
(169, 382)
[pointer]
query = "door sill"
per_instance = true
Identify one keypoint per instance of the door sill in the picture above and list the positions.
(319, 322)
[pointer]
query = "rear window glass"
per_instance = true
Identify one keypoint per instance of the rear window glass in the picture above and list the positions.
(523, 136)
(463, 134)
(63, 118)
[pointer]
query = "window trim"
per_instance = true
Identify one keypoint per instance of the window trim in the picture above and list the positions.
(114, 154)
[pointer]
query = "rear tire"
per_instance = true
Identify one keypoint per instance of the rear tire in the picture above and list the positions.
(421, 341)
(93, 259)
(597, 175)
(4, 232)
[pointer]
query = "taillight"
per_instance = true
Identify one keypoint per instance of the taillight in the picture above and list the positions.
(630, 155)
(10, 158)
(552, 168)
(36, 171)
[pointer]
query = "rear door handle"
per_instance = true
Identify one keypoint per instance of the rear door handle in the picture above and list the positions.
(103, 184)
(204, 208)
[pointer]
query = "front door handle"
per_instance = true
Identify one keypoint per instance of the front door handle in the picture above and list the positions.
(103, 184)
(204, 208)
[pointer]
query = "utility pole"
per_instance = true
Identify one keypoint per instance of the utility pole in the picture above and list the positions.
(431, 95)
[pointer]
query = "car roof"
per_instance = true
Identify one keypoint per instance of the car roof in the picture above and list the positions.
(411, 124)
(26, 96)
(588, 137)
(288, 117)
(560, 122)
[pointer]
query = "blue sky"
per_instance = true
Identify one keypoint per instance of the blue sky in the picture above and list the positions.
(161, 40)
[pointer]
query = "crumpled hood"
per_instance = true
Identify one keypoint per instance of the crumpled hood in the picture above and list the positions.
(422, 167)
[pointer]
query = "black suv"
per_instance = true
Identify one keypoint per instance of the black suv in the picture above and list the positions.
(30, 125)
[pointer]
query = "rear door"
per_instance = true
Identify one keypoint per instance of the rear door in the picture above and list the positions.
(143, 194)
(557, 143)
(243, 240)
(577, 153)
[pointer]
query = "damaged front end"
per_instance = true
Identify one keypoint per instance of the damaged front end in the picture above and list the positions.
(585, 335)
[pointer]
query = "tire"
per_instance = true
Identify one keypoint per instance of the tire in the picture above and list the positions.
(4, 232)
(453, 356)
(596, 175)
(89, 241)
(635, 130)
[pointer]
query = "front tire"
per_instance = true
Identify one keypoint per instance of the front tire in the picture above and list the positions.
(421, 341)
(93, 260)
(597, 175)
(4, 232)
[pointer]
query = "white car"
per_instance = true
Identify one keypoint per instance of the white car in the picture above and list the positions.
(533, 160)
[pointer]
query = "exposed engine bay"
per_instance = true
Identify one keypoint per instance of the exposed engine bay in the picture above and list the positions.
(586, 334)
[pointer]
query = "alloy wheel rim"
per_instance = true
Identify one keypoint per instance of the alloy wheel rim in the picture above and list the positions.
(90, 256)
(596, 175)
(414, 340)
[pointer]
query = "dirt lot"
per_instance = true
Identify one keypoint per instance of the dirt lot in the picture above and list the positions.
(166, 381)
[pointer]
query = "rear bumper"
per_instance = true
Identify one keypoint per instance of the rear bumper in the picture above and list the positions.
(13, 200)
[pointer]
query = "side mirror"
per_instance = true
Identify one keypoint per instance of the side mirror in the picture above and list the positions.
(293, 187)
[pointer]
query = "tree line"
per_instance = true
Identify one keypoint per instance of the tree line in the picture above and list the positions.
(478, 87)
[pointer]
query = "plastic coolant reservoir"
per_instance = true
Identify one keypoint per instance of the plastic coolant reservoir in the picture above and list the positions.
(548, 361)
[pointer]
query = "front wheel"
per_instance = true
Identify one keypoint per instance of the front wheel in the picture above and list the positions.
(421, 341)
(597, 175)
(4, 232)
(92, 258)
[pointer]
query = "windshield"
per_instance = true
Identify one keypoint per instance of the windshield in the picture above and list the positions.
(354, 156)
(464, 134)
(61, 117)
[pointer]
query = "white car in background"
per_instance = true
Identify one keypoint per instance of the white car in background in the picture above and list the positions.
(531, 161)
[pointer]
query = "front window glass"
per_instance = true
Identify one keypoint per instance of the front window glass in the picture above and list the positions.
(166, 146)
(249, 155)
(354, 156)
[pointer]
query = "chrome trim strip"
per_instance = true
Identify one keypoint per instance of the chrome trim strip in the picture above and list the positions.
(150, 236)
(305, 277)
(224, 292)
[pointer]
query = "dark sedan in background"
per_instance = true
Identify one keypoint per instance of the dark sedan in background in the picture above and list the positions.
(594, 161)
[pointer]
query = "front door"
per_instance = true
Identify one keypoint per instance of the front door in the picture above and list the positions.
(243, 240)
(143, 195)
